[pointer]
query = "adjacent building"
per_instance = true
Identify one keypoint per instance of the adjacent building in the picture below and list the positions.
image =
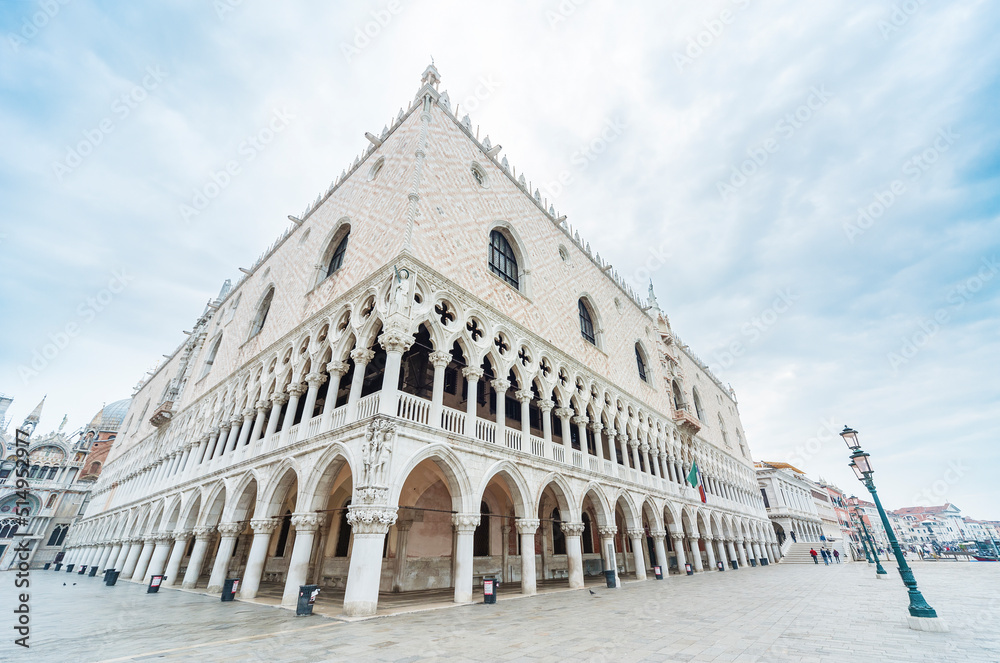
(428, 378)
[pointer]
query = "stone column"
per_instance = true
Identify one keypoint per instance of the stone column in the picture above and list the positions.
(473, 376)
(202, 535)
(596, 427)
(638, 538)
(336, 369)
(249, 415)
(757, 552)
(109, 559)
(440, 360)
(262, 528)
(608, 550)
(306, 525)
(564, 414)
(644, 450)
(526, 528)
(158, 560)
(258, 423)
(124, 554)
(501, 387)
(661, 551)
(295, 391)
(181, 538)
(574, 553)
(220, 568)
(402, 538)
(732, 552)
(361, 358)
(395, 341)
(227, 431)
(505, 552)
(696, 560)
(277, 400)
(315, 381)
(580, 421)
(369, 525)
(710, 549)
(465, 526)
(634, 446)
(524, 397)
(148, 544)
(742, 552)
(545, 406)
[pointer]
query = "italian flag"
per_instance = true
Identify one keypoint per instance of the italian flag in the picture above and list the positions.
(694, 478)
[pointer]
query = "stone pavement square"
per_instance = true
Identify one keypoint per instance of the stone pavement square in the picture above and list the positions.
(777, 613)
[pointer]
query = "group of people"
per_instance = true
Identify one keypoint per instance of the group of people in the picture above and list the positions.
(827, 555)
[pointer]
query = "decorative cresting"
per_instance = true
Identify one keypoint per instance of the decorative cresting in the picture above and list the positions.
(572, 529)
(465, 522)
(376, 452)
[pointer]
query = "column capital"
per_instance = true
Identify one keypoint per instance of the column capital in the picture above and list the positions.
(526, 525)
(500, 386)
(307, 522)
(579, 419)
(465, 522)
(362, 356)
(596, 426)
(694, 537)
(563, 412)
(263, 405)
(658, 533)
(279, 398)
(214, 430)
(607, 531)
(203, 532)
(546, 404)
(572, 529)
(644, 447)
(249, 413)
(633, 443)
(182, 534)
(337, 367)
(523, 395)
(677, 536)
(296, 388)
(396, 339)
(230, 529)
(370, 519)
(440, 358)
(636, 533)
(472, 373)
(163, 537)
(263, 525)
(315, 379)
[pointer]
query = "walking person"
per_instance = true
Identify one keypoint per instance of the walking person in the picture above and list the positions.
(792, 532)
(826, 556)
(815, 555)
(836, 555)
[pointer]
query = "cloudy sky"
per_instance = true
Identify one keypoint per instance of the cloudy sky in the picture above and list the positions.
(813, 189)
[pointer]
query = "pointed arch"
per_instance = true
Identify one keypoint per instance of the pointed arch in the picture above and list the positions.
(520, 494)
(458, 480)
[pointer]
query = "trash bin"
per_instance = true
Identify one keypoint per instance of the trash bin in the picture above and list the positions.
(83, 569)
(47, 565)
(720, 566)
(58, 565)
(658, 572)
(736, 565)
(107, 574)
(229, 588)
(112, 578)
(93, 571)
(69, 568)
(753, 562)
(763, 561)
(154, 584)
(489, 590)
(689, 569)
(609, 577)
(307, 597)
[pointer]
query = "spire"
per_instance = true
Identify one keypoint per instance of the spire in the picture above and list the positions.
(431, 76)
(31, 421)
(652, 298)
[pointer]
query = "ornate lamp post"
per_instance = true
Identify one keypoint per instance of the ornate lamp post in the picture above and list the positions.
(861, 537)
(861, 465)
(879, 571)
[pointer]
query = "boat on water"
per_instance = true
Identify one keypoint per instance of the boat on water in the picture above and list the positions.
(984, 558)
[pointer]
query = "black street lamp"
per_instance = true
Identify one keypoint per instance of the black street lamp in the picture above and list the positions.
(861, 464)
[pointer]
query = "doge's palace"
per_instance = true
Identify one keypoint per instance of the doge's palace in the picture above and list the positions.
(427, 379)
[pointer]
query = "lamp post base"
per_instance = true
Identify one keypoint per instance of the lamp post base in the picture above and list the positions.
(931, 624)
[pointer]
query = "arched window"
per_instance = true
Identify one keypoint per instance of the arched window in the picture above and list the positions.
(640, 363)
(586, 323)
(503, 262)
(214, 350)
(52, 500)
(95, 467)
(337, 259)
(722, 427)
(697, 404)
(262, 311)
(54, 537)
